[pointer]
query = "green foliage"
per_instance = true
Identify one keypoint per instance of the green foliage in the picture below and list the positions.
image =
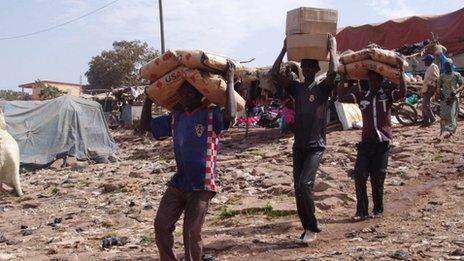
(227, 213)
(120, 65)
(271, 213)
(10, 95)
(438, 157)
(268, 209)
(146, 240)
(47, 91)
(55, 190)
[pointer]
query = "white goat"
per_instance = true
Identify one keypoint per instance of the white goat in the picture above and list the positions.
(9, 159)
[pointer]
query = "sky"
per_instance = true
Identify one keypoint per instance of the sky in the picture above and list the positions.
(241, 29)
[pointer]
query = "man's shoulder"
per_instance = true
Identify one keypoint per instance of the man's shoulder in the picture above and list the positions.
(433, 68)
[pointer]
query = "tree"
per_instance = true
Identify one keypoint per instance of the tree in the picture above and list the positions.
(119, 66)
(47, 91)
(10, 95)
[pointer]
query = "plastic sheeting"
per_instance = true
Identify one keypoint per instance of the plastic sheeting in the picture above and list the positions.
(348, 114)
(68, 125)
(396, 33)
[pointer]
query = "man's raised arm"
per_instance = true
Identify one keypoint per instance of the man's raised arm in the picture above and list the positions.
(231, 103)
(280, 80)
(332, 72)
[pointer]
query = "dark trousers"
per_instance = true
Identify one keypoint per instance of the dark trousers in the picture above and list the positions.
(305, 165)
(372, 160)
(174, 202)
(427, 112)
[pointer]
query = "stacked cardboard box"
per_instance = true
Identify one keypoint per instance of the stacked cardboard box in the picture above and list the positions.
(307, 30)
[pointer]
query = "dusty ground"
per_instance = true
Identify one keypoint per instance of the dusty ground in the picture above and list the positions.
(66, 212)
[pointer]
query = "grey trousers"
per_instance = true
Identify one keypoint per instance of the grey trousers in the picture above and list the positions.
(174, 202)
(427, 113)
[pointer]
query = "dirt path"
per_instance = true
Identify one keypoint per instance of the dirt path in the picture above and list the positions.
(339, 232)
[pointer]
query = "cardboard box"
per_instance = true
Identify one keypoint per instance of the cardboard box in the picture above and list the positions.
(307, 46)
(306, 20)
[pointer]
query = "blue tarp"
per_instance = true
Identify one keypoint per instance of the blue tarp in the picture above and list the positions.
(47, 130)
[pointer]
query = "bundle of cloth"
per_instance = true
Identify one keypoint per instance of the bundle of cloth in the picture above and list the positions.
(201, 69)
(355, 65)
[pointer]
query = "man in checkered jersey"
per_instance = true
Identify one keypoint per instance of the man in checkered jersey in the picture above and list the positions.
(195, 132)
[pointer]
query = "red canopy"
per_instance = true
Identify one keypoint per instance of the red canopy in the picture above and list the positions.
(448, 28)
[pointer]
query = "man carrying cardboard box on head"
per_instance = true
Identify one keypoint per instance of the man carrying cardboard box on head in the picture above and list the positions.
(311, 102)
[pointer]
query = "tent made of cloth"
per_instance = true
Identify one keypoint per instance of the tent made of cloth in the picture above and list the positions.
(65, 126)
(393, 34)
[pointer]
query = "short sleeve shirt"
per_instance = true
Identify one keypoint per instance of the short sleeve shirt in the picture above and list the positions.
(311, 103)
(376, 112)
(196, 144)
(431, 78)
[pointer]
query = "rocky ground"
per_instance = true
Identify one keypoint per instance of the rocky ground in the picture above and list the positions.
(69, 213)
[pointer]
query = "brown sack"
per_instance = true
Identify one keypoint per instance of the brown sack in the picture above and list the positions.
(387, 57)
(212, 86)
(376, 54)
(158, 67)
(306, 20)
(434, 49)
(352, 57)
(165, 90)
(198, 59)
(359, 70)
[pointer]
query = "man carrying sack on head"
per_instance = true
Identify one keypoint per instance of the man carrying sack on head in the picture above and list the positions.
(372, 158)
(195, 131)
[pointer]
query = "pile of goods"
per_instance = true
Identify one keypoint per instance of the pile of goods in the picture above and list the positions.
(201, 69)
(264, 76)
(307, 30)
(355, 65)
(412, 49)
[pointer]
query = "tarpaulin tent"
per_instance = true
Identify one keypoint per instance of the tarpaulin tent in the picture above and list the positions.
(68, 125)
(393, 34)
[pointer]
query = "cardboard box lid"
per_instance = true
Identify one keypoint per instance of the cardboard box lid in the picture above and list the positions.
(314, 14)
